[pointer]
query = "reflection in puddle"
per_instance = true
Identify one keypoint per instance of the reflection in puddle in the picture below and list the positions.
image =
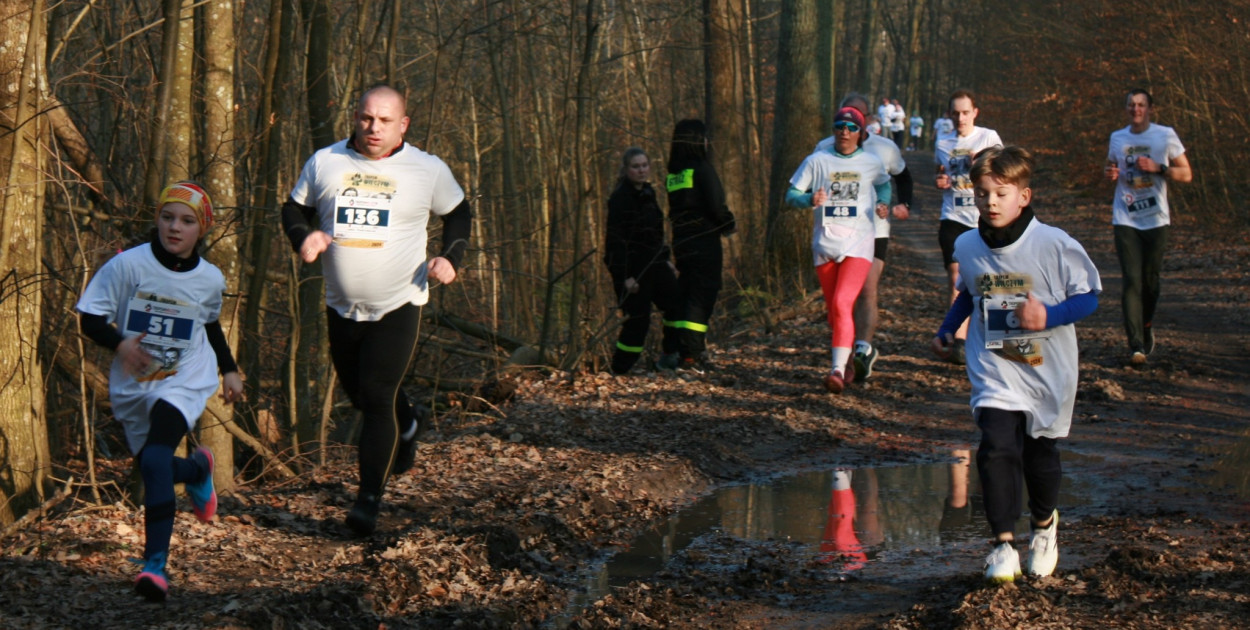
(847, 516)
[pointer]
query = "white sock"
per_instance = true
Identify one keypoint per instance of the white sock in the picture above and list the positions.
(863, 347)
(840, 356)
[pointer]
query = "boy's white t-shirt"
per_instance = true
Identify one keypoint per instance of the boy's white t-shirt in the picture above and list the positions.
(377, 211)
(955, 153)
(1038, 376)
(140, 295)
(890, 157)
(844, 225)
(1141, 199)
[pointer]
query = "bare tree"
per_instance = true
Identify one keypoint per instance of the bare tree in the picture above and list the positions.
(24, 458)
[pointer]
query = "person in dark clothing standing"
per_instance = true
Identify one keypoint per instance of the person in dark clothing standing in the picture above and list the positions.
(700, 217)
(638, 258)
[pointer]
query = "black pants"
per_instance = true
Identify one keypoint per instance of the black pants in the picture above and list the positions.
(371, 359)
(160, 470)
(657, 285)
(699, 263)
(1007, 457)
(1141, 261)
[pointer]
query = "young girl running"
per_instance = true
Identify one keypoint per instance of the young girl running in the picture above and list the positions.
(848, 185)
(156, 307)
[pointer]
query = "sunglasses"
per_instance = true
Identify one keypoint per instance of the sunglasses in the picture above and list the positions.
(848, 126)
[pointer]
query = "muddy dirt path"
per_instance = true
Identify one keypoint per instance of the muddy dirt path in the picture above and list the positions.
(522, 490)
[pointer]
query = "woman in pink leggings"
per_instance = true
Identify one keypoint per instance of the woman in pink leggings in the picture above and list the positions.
(846, 189)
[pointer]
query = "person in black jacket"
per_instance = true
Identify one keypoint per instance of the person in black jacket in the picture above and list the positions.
(637, 257)
(696, 207)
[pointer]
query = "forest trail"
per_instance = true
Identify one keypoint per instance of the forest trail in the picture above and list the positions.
(516, 497)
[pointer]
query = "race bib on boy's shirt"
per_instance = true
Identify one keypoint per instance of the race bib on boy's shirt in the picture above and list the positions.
(843, 197)
(167, 326)
(1001, 295)
(362, 211)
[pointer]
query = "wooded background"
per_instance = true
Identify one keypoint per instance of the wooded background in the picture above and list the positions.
(531, 103)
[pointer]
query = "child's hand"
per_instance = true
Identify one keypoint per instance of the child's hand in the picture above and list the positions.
(231, 388)
(883, 211)
(819, 197)
(942, 346)
(1032, 314)
(901, 211)
(135, 360)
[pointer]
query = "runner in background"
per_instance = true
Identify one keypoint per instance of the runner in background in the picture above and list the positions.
(954, 154)
(1142, 159)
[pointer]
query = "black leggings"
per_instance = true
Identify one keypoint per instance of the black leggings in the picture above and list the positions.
(371, 359)
(160, 470)
(1007, 457)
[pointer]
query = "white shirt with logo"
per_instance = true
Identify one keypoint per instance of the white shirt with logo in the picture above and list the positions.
(955, 153)
(844, 226)
(137, 293)
(1025, 371)
(890, 157)
(377, 212)
(1141, 199)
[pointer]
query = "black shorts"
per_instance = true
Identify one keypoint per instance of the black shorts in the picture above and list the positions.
(948, 231)
(878, 248)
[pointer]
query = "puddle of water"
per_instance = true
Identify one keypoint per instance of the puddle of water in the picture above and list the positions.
(856, 514)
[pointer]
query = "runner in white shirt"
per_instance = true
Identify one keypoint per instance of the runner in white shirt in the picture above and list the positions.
(916, 125)
(362, 205)
(1022, 285)
(865, 356)
(954, 154)
(1142, 159)
(846, 189)
(156, 306)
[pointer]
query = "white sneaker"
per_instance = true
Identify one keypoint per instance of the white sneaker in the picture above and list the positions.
(1044, 548)
(1003, 564)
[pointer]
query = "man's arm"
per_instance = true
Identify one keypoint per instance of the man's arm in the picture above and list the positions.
(297, 222)
(457, 226)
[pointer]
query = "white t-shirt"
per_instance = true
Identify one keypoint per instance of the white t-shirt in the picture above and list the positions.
(844, 225)
(140, 295)
(899, 121)
(885, 113)
(377, 211)
(955, 153)
(1037, 376)
(890, 157)
(917, 125)
(1141, 199)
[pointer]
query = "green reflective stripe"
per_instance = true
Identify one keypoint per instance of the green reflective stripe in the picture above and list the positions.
(680, 181)
(695, 326)
(624, 348)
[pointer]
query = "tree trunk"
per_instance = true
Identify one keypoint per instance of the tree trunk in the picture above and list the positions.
(219, 149)
(179, 143)
(312, 360)
(796, 132)
(867, 48)
(726, 108)
(912, 92)
(154, 177)
(23, 424)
